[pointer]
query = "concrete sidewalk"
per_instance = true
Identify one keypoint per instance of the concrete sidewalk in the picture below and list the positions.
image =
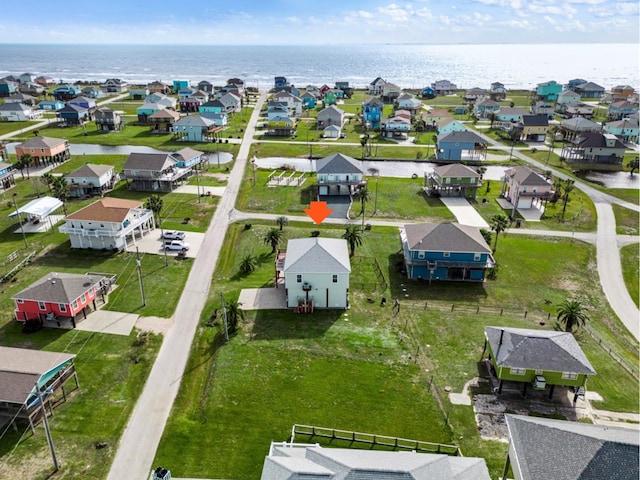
(464, 212)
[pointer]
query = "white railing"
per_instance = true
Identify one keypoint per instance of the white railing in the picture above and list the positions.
(104, 232)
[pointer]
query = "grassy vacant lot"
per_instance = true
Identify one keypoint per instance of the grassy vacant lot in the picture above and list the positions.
(356, 369)
(630, 259)
(110, 369)
(627, 221)
(8, 127)
(398, 199)
(302, 149)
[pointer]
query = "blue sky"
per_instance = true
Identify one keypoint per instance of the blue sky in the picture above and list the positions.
(276, 22)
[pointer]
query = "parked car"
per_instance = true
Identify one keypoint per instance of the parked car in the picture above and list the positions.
(173, 235)
(176, 245)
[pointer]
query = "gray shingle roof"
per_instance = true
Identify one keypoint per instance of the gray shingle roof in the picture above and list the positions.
(456, 170)
(465, 137)
(526, 176)
(90, 170)
(562, 450)
(342, 463)
(195, 121)
(57, 287)
(155, 162)
(338, 163)
(597, 140)
(186, 154)
(42, 142)
(579, 123)
(317, 255)
(535, 120)
(537, 350)
(445, 237)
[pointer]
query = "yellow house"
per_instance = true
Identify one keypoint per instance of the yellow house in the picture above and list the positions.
(534, 128)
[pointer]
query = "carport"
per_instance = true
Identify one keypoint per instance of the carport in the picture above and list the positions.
(38, 213)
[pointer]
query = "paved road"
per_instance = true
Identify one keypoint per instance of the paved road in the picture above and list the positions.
(139, 442)
(608, 254)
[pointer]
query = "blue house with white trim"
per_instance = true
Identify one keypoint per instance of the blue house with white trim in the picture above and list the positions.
(187, 157)
(180, 85)
(461, 146)
(51, 105)
(372, 112)
(445, 251)
(548, 90)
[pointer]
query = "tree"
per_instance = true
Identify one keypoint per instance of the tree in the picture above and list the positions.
(273, 237)
(498, 223)
(353, 236)
(634, 164)
(234, 312)
(61, 191)
(48, 179)
(567, 186)
(26, 160)
(155, 203)
(363, 194)
(282, 221)
(572, 313)
(492, 118)
(374, 172)
(248, 264)
(486, 234)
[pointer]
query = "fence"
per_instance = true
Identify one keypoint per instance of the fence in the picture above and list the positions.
(372, 439)
(380, 284)
(10, 274)
(541, 317)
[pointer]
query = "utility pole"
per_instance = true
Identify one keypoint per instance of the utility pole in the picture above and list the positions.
(139, 267)
(47, 431)
(24, 237)
(224, 318)
(166, 261)
(198, 182)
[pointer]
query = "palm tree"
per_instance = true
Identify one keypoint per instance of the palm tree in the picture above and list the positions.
(273, 237)
(282, 221)
(154, 203)
(61, 191)
(374, 172)
(567, 186)
(634, 164)
(572, 313)
(26, 160)
(498, 223)
(248, 264)
(353, 237)
(364, 195)
(48, 180)
(492, 118)
(234, 312)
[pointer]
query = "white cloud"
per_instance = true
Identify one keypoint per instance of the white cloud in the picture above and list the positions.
(513, 4)
(618, 8)
(394, 11)
(552, 9)
(294, 20)
(364, 14)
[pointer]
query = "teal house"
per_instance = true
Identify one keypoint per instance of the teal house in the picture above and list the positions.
(542, 359)
(308, 101)
(372, 112)
(626, 130)
(51, 105)
(180, 85)
(445, 252)
(548, 90)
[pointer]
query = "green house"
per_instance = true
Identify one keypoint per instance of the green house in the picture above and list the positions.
(540, 358)
(454, 180)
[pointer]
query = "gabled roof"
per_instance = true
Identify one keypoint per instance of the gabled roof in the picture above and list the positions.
(107, 209)
(456, 170)
(317, 255)
(42, 142)
(373, 102)
(72, 107)
(564, 450)
(548, 350)
(579, 123)
(58, 287)
(330, 110)
(13, 106)
(21, 368)
(155, 162)
(512, 111)
(622, 104)
(290, 462)
(590, 86)
(465, 137)
(165, 113)
(445, 237)
(90, 170)
(487, 102)
(186, 154)
(525, 176)
(338, 163)
(597, 140)
(535, 120)
(195, 121)
(624, 123)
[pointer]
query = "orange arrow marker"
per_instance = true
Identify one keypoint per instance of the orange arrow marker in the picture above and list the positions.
(318, 211)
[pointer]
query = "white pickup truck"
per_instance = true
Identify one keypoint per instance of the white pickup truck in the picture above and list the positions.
(173, 235)
(176, 245)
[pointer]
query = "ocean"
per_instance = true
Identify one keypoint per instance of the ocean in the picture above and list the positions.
(409, 66)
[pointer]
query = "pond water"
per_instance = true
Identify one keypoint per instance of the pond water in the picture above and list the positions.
(399, 169)
(615, 179)
(90, 149)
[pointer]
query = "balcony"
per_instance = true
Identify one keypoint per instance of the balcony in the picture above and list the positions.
(141, 218)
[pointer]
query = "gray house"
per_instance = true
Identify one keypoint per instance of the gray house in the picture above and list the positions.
(545, 448)
(454, 180)
(291, 461)
(154, 172)
(338, 174)
(195, 128)
(108, 120)
(331, 115)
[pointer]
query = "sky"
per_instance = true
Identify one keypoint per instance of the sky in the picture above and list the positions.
(282, 22)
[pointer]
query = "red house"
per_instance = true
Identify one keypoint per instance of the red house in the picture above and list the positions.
(59, 296)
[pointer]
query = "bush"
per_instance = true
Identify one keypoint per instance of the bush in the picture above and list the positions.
(315, 233)
(247, 226)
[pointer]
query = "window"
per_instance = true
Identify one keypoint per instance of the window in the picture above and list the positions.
(446, 254)
(19, 300)
(476, 257)
(420, 254)
(75, 304)
(518, 371)
(42, 306)
(569, 375)
(62, 307)
(538, 372)
(299, 278)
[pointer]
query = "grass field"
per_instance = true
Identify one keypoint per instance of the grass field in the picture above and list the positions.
(356, 369)
(630, 260)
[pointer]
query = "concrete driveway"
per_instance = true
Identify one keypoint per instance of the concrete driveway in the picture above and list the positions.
(204, 190)
(464, 212)
(103, 321)
(263, 299)
(152, 243)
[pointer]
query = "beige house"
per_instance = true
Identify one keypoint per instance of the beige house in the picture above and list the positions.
(525, 188)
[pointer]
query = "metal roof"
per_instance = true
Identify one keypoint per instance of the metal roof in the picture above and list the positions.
(317, 255)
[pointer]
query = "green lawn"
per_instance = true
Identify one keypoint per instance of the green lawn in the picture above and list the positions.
(627, 221)
(356, 371)
(630, 259)
(8, 127)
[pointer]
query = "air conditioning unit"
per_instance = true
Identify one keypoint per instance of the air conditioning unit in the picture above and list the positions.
(306, 286)
(539, 382)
